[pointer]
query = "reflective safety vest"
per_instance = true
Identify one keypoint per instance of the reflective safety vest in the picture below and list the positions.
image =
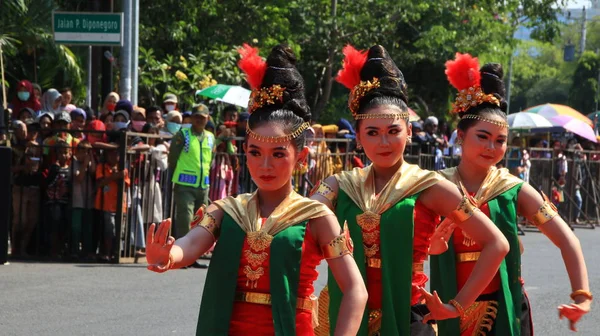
(193, 165)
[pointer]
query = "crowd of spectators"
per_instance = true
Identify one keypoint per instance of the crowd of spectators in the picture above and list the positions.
(68, 169)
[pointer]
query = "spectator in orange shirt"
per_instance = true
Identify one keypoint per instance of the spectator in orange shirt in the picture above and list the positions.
(108, 177)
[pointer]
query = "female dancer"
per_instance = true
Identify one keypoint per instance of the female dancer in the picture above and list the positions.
(269, 242)
(502, 309)
(391, 207)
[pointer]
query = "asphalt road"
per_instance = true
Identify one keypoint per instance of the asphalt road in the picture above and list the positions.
(75, 299)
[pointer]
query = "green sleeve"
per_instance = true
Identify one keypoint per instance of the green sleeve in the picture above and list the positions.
(175, 149)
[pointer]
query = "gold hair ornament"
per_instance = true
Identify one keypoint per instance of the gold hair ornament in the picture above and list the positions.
(401, 115)
(278, 139)
(472, 97)
(265, 96)
(502, 124)
(359, 91)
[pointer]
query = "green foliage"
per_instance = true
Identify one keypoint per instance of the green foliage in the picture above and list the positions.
(584, 91)
(539, 75)
(420, 36)
(183, 76)
(28, 43)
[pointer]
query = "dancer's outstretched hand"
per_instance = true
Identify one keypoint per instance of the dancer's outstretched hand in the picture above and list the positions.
(437, 309)
(573, 312)
(441, 236)
(158, 246)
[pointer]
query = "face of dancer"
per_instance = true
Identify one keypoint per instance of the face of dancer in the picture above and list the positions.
(484, 144)
(271, 164)
(384, 140)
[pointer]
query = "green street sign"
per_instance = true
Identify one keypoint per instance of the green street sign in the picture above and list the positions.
(84, 28)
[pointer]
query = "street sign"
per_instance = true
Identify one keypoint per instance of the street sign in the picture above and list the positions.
(84, 28)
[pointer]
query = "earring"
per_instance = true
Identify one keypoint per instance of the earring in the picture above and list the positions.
(409, 140)
(358, 145)
(459, 142)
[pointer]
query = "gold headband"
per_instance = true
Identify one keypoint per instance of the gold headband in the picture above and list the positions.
(359, 91)
(472, 97)
(401, 115)
(278, 139)
(265, 96)
(502, 124)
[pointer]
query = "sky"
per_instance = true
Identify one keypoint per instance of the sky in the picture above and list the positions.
(578, 3)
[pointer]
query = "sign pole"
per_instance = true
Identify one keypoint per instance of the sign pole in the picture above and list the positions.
(125, 85)
(88, 98)
(4, 101)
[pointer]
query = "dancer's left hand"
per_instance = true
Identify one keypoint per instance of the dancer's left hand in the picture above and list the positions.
(574, 312)
(437, 309)
(441, 236)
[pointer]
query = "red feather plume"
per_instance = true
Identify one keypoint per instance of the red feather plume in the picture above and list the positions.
(463, 72)
(252, 65)
(354, 61)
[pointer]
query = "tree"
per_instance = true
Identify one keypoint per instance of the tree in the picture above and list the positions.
(584, 90)
(539, 75)
(28, 43)
(420, 36)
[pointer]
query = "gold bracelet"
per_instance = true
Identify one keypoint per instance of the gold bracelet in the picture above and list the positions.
(544, 214)
(325, 190)
(338, 246)
(581, 292)
(465, 209)
(205, 220)
(458, 306)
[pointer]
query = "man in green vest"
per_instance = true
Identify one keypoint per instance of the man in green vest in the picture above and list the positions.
(190, 158)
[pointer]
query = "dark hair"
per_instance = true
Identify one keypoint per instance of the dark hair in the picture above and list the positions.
(90, 115)
(65, 89)
(26, 109)
(60, 144)
(293, 110)
(153, 109)
(150, 127)
(230, 108)
(392, 90)
(491, 83)
(105, 115)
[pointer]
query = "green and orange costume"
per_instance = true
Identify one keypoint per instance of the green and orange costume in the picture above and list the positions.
(383, 228)
(262, 281)
(499, 309)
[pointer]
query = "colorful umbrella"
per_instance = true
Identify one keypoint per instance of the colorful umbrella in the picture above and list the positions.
(413, 116)
(526, 120)
(553, 110)
(230, 94)
(576, 126)
(595, 116)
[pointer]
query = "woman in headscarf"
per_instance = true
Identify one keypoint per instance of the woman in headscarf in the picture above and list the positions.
(25, 98)
(110, 102)
(51, 101)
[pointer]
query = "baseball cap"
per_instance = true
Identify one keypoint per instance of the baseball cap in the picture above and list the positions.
(416, 125)
(170, 98)
(62, 116)
(200, 109)
(123, 113)
(431, 120)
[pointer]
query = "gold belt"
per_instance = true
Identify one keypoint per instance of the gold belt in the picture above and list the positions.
(467, 256)
(376, 263)
(265, 299)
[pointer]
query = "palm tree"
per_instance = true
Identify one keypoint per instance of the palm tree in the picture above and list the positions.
(27, 42)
